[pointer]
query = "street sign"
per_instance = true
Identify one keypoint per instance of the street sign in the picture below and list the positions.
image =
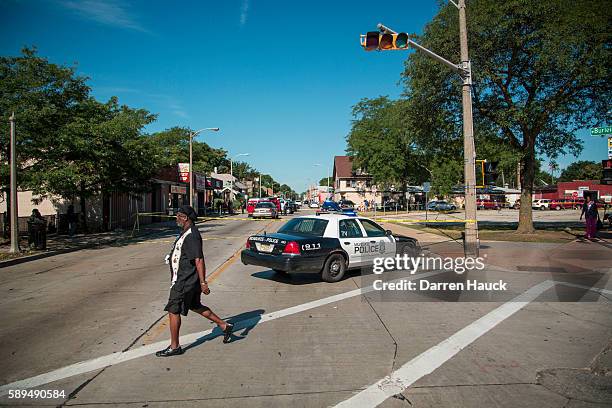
(426, 187)
(598, 131)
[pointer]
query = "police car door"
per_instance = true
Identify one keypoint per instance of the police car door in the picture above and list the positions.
(352, 241)
(381, 244)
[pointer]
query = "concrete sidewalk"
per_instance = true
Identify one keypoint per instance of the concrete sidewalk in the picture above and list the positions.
(61, 244)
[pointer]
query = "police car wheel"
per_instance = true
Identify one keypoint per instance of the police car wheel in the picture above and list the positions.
(334, 268)
(408, 249)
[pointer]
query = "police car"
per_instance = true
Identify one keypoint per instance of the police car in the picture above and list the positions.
(328, 244)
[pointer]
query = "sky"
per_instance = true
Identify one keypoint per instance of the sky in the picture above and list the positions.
(279, 78)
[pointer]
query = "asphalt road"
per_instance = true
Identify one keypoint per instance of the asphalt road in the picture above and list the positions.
(87, 323)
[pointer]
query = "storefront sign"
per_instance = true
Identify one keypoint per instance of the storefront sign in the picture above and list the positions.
(200, 182)
(183, 169)
(178, 190)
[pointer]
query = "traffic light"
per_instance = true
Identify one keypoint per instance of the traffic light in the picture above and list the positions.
(374, 40)
(606, 171)
(490, 173)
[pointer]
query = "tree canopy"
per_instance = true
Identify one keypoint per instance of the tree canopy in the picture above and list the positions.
(582, 170)
(70, 144)
(540, 73)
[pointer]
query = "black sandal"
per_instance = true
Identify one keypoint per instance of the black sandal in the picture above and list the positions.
(227, 333)
(169, 352)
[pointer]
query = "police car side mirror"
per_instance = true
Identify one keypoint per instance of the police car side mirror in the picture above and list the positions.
(388, 233)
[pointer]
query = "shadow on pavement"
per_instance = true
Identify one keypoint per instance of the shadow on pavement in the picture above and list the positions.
(243, 322)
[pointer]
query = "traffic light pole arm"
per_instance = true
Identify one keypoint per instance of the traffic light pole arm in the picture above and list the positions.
(463, 71)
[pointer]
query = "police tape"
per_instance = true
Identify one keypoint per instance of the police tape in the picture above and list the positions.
(164, 215)
(389, 220)
(416, 221)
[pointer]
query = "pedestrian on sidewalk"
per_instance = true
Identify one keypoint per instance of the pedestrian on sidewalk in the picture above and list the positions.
(591, 214)
(71, 217)
(188, 276)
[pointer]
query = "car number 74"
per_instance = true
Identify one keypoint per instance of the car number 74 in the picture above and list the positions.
(311, 247)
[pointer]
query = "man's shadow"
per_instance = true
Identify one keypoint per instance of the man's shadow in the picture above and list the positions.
(244, 322)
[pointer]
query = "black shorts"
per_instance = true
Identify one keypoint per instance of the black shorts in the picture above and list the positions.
(182, 302)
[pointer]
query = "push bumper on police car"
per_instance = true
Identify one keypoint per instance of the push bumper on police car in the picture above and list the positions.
(285, 262)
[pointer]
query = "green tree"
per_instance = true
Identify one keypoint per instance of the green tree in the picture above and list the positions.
(381, 144)
(582, 170)
(540, 72)
(44, 97)
(325, 180)
(68, 143)
(174, 145)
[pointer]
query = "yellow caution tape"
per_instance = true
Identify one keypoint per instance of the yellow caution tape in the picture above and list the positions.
(426, 221)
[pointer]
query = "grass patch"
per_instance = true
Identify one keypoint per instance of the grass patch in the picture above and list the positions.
(506, 233)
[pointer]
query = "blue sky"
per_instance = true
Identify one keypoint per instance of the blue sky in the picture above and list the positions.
(278, 77)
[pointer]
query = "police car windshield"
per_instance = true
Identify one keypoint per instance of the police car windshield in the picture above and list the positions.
(305, 226)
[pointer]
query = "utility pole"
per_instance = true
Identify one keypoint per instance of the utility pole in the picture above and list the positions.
(391, 40)
(14, 213)
(469, 152)
(191, 178)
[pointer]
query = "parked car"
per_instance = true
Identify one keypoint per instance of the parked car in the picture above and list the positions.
(251, 205)
(276, 201)
(314, 204)
(564, 204)
(441, 206)
(329, 206)
(265, 209)
(346, 204)
(298, 203)
(541, 204)
(486, 204)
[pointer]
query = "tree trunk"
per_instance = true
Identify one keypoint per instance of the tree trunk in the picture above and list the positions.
(528, 163)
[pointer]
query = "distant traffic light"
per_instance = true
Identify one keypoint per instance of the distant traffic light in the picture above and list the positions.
(490, 173)
(374, 40)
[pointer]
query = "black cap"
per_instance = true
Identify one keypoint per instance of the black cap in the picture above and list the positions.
(188, 211)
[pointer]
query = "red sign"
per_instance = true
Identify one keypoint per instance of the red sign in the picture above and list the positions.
(575, 194)
(184, 177)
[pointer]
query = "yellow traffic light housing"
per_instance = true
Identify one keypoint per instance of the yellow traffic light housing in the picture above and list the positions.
(374, 40)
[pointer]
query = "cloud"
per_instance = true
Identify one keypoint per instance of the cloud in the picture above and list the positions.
(109, 12)
(244, 8)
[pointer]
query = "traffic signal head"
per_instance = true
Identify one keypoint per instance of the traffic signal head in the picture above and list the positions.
(371, 41)
(490, 173)
(374, 40)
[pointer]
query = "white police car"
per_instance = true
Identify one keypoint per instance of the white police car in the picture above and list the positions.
(328, 244)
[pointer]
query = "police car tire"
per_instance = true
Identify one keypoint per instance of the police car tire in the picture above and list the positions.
(409, 249)
(334, 268)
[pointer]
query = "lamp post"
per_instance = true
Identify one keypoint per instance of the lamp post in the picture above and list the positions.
(191, 136)
(232, 174)
(14, 215)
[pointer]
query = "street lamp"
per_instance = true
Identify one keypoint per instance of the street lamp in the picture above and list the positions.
(191, 136)
(232, 174)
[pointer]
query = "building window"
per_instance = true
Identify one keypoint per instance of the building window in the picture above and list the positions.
(353, 183)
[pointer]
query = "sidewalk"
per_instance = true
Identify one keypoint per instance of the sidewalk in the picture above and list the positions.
(60, 244)
(576, 257)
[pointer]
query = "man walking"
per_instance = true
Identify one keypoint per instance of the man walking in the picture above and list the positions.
(188, 274)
